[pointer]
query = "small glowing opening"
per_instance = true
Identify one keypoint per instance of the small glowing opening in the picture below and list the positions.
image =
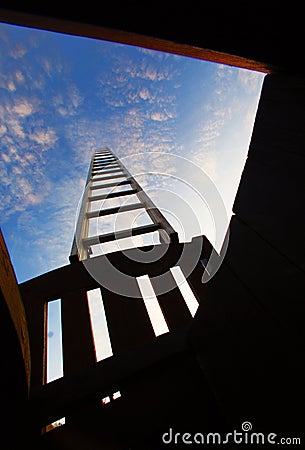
(187, 293)
(116, 395)
(99, 325)
(105, 400)
(152, 305)
(56, 424)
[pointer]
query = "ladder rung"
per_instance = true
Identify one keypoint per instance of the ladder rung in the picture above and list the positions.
(94, 240)
(104, 160)
(108, 178)
(104, 165)
(107, 185)
(112, 195)
(102, 172)
(116, 209)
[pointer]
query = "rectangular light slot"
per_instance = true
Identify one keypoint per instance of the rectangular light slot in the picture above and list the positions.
(99, 325)
(114, 396)
(187, 293)
(54, 341)
(56, 424)
(106, 400)
(126, 243)
(152, 305)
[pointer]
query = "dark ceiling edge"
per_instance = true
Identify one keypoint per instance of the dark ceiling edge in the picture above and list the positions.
(89, 30)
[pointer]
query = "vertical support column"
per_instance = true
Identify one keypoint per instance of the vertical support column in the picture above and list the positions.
(128, 321)
(195, 281)
(78, 346)
(172, 303)
(195, 278)
(36, 313)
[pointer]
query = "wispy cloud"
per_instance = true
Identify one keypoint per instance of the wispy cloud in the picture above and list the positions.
(46, 138)
(18, 50)
(54, 113)
(24, 107)
(251, 81)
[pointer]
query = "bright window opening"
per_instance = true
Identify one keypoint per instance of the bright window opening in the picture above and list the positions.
(56, 424)
(54, 341)
(187, 293)
(99, 325)
(105, 400)
(114, 396)
(152, 305)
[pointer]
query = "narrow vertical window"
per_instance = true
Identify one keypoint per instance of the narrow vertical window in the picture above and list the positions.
(54, 341)
(187, 293)
(152, 305)
(99, 325)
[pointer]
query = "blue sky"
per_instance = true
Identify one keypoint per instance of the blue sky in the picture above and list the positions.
(62, 97)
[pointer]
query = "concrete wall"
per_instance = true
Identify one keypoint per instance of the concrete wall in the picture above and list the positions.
(249, 331)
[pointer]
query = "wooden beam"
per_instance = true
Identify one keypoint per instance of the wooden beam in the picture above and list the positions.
(129, 38)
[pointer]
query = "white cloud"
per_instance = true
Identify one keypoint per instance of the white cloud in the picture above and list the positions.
(19, 76)
(24, 185)
(207, 161)
(74, 96)
(16, 170)
(18, 51)
(251, 81)
(63, 111)
(16, 128)
(159, 116)
(6, 158)
(44, 137)
(144, 94)
(67, 103)
(23, 107)
(11, 86)
(3, 129)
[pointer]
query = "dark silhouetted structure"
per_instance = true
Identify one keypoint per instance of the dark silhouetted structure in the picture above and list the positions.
(241, 358)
